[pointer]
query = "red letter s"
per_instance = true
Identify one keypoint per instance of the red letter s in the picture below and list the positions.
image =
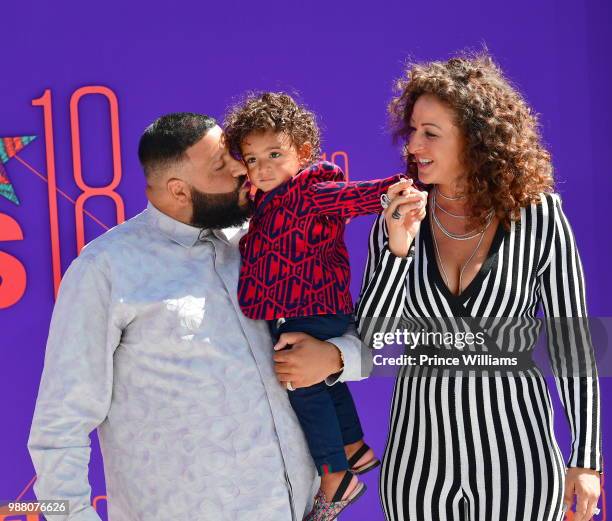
(12, 272)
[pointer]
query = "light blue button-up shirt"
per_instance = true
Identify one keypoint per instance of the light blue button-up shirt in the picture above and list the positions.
(148, 344)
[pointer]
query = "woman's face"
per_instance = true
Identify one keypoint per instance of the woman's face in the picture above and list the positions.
(435, 143)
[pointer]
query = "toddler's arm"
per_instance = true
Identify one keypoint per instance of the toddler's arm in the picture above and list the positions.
(343, 198)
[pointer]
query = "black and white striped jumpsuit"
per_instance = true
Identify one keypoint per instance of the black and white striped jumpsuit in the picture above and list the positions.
(483, 449)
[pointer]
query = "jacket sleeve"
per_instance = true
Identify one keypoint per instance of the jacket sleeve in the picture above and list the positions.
(75, 389)
(569, 339)
(342, 198)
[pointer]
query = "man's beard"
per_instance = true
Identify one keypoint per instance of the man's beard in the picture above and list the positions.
(216, 211)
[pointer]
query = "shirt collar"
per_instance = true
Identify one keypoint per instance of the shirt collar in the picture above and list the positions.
(185, 234)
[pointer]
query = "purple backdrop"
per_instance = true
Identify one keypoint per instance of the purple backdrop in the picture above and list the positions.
(342, 58)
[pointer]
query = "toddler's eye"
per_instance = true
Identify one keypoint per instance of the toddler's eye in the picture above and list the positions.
(249, 160)
(274, 155)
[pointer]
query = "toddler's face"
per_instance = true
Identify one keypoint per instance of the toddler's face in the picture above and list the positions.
(271, 159)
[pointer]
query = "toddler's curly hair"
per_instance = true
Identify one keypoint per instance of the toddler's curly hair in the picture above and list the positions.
(274, 111)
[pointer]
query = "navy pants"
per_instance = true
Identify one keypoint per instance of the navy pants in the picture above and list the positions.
(326, 413)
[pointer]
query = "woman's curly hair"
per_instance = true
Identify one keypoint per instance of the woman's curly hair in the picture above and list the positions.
(507, 165)
(274, 111)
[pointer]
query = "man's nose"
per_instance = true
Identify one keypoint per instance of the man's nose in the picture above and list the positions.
(237, 168)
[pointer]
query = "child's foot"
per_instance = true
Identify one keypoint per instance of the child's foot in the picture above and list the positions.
(347, 490)
(361, 458)
(333, 482)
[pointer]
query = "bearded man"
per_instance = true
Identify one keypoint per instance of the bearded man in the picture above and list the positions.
(148, 345)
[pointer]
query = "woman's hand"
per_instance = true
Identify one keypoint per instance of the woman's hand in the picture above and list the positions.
(585, 485)
(411, 204)
(308, 362)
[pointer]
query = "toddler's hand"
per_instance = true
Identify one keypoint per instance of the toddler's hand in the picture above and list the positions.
(406, 210)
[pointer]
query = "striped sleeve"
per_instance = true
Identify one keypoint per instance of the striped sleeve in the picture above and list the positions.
(569, 340)
(383, 287)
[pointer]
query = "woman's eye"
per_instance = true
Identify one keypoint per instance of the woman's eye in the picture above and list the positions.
(250, 160)
(429, 134)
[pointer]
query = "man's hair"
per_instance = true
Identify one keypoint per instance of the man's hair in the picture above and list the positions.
(165, 141)
(274, 111)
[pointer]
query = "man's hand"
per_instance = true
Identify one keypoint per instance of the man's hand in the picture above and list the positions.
(585, 485)
(308, 362)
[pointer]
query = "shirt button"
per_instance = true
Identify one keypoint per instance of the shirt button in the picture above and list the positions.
(204, 234)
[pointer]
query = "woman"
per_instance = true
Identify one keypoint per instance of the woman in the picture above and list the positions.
(484, 236)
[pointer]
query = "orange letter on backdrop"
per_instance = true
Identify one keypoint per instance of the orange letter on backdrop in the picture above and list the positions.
(92, 191)
(96, 500)
(334, 159)
(12, 272)
(45, 102)
(340, 154)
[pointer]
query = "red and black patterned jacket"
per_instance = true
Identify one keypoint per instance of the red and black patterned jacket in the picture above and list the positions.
(294, 260)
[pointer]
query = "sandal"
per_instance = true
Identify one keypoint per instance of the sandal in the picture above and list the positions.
(324, 510)
(364, 467)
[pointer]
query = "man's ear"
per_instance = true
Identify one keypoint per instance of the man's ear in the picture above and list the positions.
(178, 190)
(304, 153)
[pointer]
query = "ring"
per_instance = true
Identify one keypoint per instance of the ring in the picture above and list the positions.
(384, 201)
(396, 214)
(289, 386)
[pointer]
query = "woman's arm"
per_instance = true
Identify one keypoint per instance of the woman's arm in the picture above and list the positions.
(569, 340)
(383, 287)
(572, 358)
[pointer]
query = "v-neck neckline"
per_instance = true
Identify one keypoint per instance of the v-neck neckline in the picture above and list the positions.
(434, 269)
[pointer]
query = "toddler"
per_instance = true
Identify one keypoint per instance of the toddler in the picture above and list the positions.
(295, 270)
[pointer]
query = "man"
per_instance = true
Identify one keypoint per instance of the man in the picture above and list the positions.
(147, 344)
